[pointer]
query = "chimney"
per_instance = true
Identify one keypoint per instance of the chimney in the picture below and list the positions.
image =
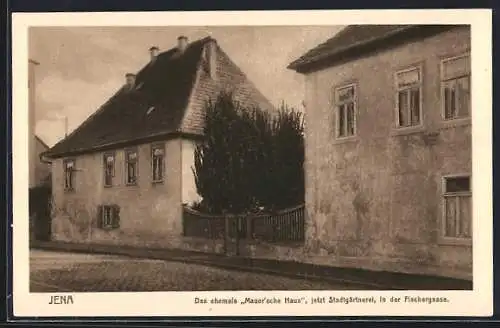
(182, 43)
(130, 80)
(153, 52)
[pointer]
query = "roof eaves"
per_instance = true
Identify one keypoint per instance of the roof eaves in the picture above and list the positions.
(119, 143)
(303, 61)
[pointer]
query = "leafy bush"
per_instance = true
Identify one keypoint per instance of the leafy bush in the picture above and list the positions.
(250, 159)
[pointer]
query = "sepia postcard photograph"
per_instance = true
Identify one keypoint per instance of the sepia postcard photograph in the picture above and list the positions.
(252, 163)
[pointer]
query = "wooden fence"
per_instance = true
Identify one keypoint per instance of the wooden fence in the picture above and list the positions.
(283, 226)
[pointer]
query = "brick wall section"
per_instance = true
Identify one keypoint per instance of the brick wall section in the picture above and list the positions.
(376, 201)
(228, 77)
(150, 214)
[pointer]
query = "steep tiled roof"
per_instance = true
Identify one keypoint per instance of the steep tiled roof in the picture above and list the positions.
(168, 99)
(229, 78)
(350, 38)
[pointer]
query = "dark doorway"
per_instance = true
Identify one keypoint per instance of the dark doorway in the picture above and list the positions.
(39, 203)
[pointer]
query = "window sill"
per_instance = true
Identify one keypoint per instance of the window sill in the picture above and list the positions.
(448, 124)
(343, 140)
(108, 228)
(450, 241)
(157, 182)
(131, 184)
(108, 186)
(407, 130)
(69, 191)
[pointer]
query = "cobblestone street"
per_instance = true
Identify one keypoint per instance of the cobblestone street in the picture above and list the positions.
(72, 272)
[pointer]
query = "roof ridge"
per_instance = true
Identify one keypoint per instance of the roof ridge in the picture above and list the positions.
(195, 82)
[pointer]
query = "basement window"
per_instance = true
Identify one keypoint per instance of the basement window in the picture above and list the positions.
(457, 211)
(108, 216)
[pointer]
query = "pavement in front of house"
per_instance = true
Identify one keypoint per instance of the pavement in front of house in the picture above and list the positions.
(134, 263)
(72, 272)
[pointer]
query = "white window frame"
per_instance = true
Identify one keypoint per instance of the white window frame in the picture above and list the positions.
(105, 162)
(72, 178)
(455, 77)
(105, 209)
(337, 105)
(127, 152)
(442, 232)
(419, 68)
(153, 148)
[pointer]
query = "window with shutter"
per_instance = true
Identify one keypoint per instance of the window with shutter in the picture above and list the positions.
(116, 216)
(108, 217)
(99, 216)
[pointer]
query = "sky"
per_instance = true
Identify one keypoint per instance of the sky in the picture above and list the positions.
(81, 67)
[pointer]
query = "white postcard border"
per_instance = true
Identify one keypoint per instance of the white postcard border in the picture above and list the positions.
(478, 302)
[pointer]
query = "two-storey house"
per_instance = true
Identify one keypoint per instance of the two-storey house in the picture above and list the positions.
(123, 175)
(388, 149)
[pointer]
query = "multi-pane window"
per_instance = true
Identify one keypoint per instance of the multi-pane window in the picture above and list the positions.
(108, 216)
(69, 174)
(455, 85)
(457, 207)
(409, 107)
(345, 102)
(109, 169)
(131, 166)
(157, 162)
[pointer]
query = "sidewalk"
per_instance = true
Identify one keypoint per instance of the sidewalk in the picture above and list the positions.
(365, 279)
